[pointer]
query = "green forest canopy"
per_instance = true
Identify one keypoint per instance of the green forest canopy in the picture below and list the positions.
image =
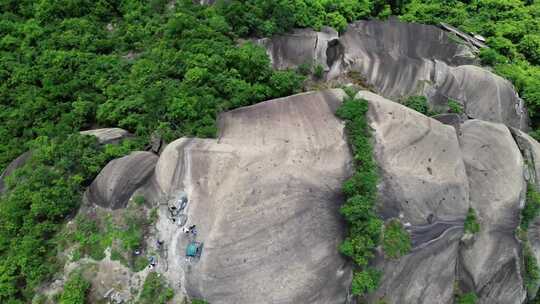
(149, 66)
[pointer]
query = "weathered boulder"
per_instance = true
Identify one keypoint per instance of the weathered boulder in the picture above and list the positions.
(423, 183)
(115, 184)
(451, 119)
(424, 276)
(530, 149)
(14, 165)
(265, 199)
(401, 59)
(484, 95)
(300, 47)
(108, 135)
(492, 264)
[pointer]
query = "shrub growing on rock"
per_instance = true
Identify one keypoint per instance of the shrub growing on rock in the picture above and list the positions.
(418, 103)
(454, 107)
(471, 222)
(396, 240)
(467, 298)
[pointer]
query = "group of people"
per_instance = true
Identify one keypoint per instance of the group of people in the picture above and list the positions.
(191, 229)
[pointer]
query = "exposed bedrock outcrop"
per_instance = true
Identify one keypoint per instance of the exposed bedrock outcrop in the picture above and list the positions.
(265, 196)
(424, 182)
(530, 150)
(115, 184)
(14, 165)
(399, 59)
(301, 46)
(420, 161)
(265, 199)
(497, 187)
(430, 177)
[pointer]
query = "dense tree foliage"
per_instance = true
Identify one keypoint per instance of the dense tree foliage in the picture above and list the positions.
(72, 64)
(40, 196)
(265, 18)
(75, 289)
(69, 65)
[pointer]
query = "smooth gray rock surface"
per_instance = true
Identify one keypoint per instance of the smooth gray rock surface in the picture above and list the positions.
(265, 199)
(108, 135)
(451, 119)
(496, 180)
(115, 184)
(398, 59)
(420, 162)
(530, 149)
(300, 47)
(401, 59)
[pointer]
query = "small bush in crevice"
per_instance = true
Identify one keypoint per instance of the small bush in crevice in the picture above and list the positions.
(396, 240)
(418, 103)
(471, 222)
(454, 107)
(467, 298)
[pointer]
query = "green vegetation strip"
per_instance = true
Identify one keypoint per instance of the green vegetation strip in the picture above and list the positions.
(361, 192)
(531, 276)
(40, 196)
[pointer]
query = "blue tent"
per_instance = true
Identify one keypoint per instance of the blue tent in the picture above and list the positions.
(194, 249)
